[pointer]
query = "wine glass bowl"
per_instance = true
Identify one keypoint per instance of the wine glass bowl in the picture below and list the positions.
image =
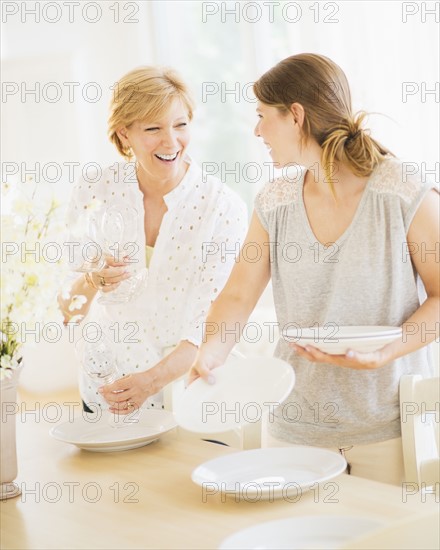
(99, 362)
(84, 253)
(117, 229)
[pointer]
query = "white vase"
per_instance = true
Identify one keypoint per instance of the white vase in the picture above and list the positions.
(8, 449)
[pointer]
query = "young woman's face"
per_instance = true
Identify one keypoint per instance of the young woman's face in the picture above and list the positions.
(280, 134)
(160, 145)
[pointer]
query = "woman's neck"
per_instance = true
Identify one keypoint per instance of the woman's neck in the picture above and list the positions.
(155, 188)
(345, 183)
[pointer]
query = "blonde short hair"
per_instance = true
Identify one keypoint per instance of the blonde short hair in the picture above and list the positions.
(143, 94)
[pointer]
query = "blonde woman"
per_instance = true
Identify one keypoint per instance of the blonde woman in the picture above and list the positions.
(185, 217)
(361, 226)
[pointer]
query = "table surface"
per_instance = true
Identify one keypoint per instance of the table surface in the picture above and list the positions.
(144, 498)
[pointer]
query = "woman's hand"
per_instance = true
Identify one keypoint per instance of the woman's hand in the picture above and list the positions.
(202, 367)
(129, 392)
(109, 278)
(351, 360)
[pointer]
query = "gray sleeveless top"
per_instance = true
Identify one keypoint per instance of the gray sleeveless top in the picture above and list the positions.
(364, 278)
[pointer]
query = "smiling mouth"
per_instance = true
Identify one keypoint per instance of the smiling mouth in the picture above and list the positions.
(168, 158)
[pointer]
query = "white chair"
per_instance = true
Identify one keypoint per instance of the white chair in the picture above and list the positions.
(420, 418)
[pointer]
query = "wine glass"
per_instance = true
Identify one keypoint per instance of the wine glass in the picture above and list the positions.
(84, 253)
(99, 362)
(116, 227)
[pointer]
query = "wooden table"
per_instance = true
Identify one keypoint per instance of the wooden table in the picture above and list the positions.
(144, 498)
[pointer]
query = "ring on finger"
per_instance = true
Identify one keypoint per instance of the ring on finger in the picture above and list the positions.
(102, 281)
(130, 405)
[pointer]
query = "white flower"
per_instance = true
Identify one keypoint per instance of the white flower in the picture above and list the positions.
(77, 302)
(8, 362)
(23, 206)
(65, 290)
(32, 226)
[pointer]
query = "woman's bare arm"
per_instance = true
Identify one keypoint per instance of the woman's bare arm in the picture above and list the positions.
(230, 311)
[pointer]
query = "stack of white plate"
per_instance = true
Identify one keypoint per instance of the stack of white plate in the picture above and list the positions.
(337, 340)
(95, 432)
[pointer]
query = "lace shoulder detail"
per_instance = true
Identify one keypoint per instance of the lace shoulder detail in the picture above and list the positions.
(277, 192)
(396, 177)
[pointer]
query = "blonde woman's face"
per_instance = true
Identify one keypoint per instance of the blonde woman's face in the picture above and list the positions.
(160, 145)
(279, 134)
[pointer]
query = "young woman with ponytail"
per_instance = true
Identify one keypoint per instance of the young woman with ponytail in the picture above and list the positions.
(363, 228)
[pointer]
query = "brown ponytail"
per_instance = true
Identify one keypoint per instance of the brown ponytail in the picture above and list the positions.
(321, 87)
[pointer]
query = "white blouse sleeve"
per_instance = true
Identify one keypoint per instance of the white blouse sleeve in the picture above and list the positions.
(218, 257)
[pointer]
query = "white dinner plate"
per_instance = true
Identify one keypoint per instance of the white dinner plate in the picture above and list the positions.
(338, 340)
(244, 390)
(301, 533)
(94, 433)
(270, 473)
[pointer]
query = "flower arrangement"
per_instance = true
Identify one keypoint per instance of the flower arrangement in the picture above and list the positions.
(32, 267)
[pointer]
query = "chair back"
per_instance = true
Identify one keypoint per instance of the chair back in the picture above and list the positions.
(420, 420)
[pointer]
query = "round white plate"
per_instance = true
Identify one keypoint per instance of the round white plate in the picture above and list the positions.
(301, 533)
(94, 433)
(337, 340)
(271, 473)
(244, 390)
